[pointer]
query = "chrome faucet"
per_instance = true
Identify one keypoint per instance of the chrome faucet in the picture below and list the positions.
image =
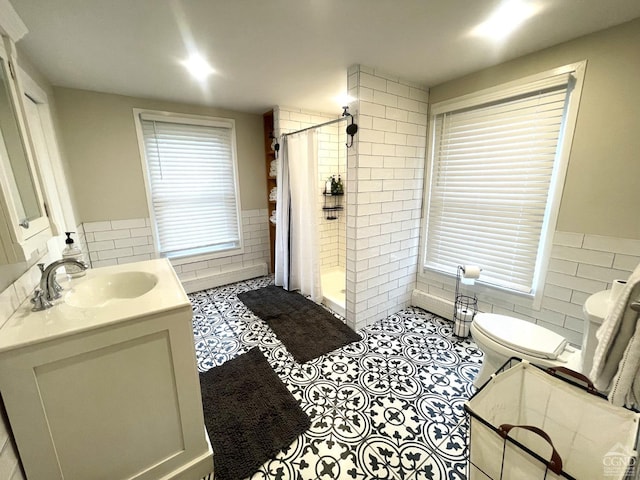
(50, 289)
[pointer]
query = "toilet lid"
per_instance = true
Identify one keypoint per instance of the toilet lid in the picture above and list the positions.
(520, 335)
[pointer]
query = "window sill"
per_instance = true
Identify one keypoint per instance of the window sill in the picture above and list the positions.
(486, 293)
(194, 257)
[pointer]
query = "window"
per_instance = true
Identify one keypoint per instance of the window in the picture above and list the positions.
(191, 178)
(497, 165)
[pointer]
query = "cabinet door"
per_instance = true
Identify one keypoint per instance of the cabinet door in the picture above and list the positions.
(120, 402)
(23, 209)
(53, 179)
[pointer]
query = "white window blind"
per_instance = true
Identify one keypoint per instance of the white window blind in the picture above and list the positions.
(492, 166)
(191, 172)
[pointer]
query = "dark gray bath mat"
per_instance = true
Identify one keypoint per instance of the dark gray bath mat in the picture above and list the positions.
(305, 328)
(249, 414)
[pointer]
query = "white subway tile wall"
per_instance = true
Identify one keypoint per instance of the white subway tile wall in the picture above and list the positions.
(255, 232)
(9, 302)
(124, 241)
(580, 265)
(331, 161)
(384, 194)
(117, 242)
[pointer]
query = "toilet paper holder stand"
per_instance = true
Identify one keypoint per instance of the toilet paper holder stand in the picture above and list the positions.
(465, 308)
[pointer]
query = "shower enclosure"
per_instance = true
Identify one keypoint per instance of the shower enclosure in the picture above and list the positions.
(332, 160)
(311, 215)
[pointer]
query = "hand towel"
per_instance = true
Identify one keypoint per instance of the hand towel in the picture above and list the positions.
(618, 340)
(625, 386)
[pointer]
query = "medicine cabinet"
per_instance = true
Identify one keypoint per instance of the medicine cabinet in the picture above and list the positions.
(24, 226)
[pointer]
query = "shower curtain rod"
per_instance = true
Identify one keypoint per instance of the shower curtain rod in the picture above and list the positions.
(320, 125)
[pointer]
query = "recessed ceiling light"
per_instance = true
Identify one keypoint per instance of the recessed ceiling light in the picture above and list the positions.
(509, 15)
(198, 66)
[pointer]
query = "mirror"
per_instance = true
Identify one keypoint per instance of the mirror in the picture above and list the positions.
(21, 183)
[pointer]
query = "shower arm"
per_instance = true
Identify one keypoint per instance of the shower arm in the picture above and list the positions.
(352, 129)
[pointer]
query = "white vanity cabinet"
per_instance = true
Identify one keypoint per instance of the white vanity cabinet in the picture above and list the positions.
(24, 226)
(110, 392)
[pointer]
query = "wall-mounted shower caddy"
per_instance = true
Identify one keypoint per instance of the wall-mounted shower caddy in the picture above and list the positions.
(333, 199)
(332, 205)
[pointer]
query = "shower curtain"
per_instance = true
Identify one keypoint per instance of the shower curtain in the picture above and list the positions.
(297, 259)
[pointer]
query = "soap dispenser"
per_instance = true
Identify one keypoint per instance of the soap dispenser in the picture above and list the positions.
(72, 251)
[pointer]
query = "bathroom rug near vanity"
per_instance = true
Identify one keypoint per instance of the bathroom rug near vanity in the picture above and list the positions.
(306, 329)
(249, 414)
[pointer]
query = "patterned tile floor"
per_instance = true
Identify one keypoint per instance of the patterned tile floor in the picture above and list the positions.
(387, 407)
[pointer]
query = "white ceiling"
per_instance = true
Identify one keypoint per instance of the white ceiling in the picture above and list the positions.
(281, 52)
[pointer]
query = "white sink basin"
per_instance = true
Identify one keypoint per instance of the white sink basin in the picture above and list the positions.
(103, 289)
(104, 296)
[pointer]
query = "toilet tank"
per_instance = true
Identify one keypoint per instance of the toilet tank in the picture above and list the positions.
(595, 310)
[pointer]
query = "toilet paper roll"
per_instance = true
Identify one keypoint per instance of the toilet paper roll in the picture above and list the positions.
(471, 271)
(616, 290)
(469, 274)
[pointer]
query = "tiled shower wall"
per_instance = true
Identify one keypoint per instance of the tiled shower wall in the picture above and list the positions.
(123, 241)
(580, 265)
(331, 161)
(384, 194)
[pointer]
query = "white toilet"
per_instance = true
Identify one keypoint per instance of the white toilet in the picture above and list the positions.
(501, 337)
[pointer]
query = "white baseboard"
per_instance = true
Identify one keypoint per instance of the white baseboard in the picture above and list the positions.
(223, 278)
(440, 306)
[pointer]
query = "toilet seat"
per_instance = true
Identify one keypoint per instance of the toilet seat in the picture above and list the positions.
(501, 337)
(521, 336)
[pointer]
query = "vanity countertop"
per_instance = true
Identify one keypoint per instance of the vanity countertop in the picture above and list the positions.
(26, 327)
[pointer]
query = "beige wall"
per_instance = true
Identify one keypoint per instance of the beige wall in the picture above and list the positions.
(99, 137)
(602, 188)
